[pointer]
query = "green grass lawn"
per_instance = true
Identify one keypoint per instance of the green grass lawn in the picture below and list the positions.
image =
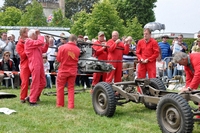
(46, 118)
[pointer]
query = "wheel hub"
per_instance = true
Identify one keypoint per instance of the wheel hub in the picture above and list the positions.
(102, 100)
(172, 119)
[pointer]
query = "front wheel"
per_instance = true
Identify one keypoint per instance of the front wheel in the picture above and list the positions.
(103, 99)
(174, 115)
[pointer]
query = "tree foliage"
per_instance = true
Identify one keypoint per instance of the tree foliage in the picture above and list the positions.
(134, 29)
(33, 16)
(20, 4)
(58, 19)
(103, 18)
(79, 20)
(10, 17)
(142, 9)
(74, 6)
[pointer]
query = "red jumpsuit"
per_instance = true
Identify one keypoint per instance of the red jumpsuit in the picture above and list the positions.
(150, 51)
(24, 69)
(100, 54)
(193, 78)
(193, 73)
(34, 50)
(68, 56)
(116, 54)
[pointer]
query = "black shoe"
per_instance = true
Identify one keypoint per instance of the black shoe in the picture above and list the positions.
(23, 101)
(33, 104)
(38, 99)
(27, 99)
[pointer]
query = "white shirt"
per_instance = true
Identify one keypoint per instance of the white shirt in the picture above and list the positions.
(51, 51)
(46, 67)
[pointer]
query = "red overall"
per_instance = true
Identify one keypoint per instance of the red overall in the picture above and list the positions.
(116, 55)
(34, 50)
(193, 73)
(193, 78)
(24, 69)
(150, 51)
(68, 56)
(100, 54)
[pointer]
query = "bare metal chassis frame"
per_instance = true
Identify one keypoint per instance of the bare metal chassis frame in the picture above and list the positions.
(156, 94)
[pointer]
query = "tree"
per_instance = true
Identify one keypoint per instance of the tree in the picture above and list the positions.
(74, 6)
(142, 9)
(20, 4)
(33, 16)
(79, 20)
(104, 17)
(10, 17)
(134, 29)
(58, 19)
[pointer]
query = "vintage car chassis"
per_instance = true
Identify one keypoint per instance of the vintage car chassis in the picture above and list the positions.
(174, 112)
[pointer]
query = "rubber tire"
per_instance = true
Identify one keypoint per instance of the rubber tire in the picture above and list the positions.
(158, 85)
(174, 115)
(103, 99)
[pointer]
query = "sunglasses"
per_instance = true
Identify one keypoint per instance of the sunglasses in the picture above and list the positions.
(7, 55)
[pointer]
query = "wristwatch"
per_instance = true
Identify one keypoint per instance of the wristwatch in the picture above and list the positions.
(190, 89)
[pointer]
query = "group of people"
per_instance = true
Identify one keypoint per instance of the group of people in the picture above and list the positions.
(31, 47)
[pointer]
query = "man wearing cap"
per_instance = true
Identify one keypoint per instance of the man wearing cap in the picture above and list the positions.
(100, 52)
(115, 52)
(85, 38)
(63, 40)
(195, 42)
(165, 50)
(191, 65)
(196, 48)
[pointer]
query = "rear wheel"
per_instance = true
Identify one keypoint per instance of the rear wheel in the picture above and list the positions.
(158, 85)
(103, 99)
(174, 115)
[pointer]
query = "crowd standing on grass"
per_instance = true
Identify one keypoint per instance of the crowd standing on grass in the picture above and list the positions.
(27, 55)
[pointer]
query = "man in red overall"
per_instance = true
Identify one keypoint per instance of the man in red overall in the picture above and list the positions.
(115, 53)
(100, 52)
(34, 47)
(24, 69)
(68, 56)
(147, 51)
(191, 65)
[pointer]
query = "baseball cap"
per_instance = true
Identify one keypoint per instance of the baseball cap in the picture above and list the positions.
(198, 40)
(165, 36)
(100, 33)
(64, 37)
(80, 36)
(85, 37)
